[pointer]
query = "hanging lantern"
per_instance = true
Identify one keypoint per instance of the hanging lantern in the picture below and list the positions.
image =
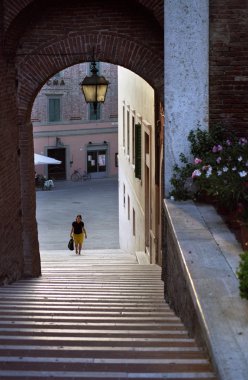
(94, 87)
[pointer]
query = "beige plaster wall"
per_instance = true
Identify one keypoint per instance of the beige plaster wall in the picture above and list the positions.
(136, 97)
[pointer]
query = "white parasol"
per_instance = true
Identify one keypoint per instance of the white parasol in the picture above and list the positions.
(41, 160)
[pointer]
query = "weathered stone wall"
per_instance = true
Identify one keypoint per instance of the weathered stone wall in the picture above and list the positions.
(186, 28)
(176, 288)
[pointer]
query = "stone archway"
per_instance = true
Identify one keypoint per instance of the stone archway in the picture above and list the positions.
(49, 36)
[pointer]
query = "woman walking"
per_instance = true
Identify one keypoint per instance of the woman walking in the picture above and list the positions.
(78, 232)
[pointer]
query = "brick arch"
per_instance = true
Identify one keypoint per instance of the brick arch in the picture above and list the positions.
(49, 36)
(13, 8)
(34, 70)
(96, 15)
(125, 33)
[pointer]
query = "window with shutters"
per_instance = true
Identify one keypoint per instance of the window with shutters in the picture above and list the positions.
(124, 195)
(134, 223)
(138, 150)
(133, 140)
(54, 110)
(128, 133)
(128, 207)
(94, 114)
(124, 127)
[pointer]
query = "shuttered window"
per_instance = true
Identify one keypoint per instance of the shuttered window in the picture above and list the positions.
(54, 109)
(128, 133)
(133, 140)
(94, 114)
(124, 127)
(134, 223)
(138, 150)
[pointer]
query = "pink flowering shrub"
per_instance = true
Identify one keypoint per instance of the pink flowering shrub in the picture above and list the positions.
(223, 171)
(219, 167)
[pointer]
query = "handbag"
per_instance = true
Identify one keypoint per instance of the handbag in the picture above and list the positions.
(71, 245)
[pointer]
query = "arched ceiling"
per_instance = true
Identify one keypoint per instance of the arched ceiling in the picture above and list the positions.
(12, 9)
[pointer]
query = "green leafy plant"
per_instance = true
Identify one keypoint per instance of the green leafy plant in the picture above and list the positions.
(242, 274)
(180, 178)
(202, 141)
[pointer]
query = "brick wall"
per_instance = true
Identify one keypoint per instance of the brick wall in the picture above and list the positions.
(11, 256)
(13, 8)
(229, 64)
(29, 225)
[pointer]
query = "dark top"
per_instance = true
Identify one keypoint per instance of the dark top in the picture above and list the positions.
(78, 227)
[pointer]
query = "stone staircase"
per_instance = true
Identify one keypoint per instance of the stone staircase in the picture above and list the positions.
(100, 315)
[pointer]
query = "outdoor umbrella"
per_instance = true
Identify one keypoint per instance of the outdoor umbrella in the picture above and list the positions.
(41, 160)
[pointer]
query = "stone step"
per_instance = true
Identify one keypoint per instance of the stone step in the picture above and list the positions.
(94, 317)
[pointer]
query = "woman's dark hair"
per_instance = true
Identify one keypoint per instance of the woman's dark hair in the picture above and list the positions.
(79, 216)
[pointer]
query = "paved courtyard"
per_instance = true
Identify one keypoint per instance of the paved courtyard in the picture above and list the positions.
(96, 200)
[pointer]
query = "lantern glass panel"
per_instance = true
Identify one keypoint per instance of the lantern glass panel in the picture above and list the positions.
(89, 92)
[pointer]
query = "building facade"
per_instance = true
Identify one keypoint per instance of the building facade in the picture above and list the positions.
(137, 190)
(65, 127)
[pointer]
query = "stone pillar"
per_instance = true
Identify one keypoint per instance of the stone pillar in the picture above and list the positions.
(186, 36)
(32, 266)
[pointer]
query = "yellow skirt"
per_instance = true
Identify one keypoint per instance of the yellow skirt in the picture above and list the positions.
(78, 238)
